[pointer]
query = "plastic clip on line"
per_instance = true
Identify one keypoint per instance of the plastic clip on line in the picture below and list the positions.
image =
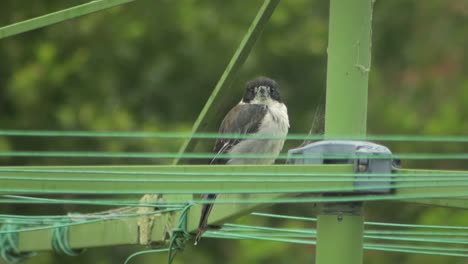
(8, 244)
(178, 239)
(364, 155)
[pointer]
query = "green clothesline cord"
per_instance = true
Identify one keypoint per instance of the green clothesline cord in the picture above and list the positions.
(238, 227)
(370, 246)
(316, 199)
(178, 135)
(423, 237)
(312, 234)
(60, 241)
(220, 234)
(84, 218)
(163, 171)
(8, 244)
(76, 218)
(276, 189)
(289, 217)
(274, 237)
(417, 226)
(416, 233)
(180, 235)
(450, 249)
(281, 216)
(60, 225)
(206, 155)
(420, 239)
(143, 252)
(332, 176)
(305, 179)
(96, 219)
(234, 231)
(428, 237)
(411, 250)
(103, 202)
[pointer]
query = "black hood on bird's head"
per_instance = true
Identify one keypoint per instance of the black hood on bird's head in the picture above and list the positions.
(250, 90)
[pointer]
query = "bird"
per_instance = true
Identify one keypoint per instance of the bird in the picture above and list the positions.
(260, 112)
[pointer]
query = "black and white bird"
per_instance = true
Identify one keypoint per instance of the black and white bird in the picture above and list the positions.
(260, 111)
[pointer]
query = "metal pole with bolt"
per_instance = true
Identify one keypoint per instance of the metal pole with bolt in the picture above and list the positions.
(340, 225)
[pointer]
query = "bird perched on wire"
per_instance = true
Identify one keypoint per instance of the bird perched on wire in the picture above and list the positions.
(260, 112)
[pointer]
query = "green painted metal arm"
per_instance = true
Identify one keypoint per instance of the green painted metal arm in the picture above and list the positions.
(186, 179)
(125, 231)
(221, 90)
(59, 16)
(111, 232)
(456, 202)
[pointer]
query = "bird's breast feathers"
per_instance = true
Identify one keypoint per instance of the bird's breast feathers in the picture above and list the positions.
(274, 123)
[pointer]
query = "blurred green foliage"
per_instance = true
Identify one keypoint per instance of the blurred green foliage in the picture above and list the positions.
(150, 65)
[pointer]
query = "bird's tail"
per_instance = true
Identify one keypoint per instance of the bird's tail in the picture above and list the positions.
(205, 213)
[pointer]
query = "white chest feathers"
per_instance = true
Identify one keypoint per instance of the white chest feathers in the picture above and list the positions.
(274, 124)
(276, 121)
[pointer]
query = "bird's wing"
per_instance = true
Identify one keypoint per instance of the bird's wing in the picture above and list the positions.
(242, 119)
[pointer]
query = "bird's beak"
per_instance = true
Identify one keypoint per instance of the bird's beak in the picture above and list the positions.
(262, 91)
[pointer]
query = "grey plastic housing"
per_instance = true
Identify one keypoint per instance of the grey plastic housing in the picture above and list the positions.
(364, 155)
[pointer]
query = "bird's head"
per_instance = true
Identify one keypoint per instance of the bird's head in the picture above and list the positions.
(261, 90)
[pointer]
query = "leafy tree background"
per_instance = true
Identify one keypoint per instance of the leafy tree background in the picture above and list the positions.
(150, 65)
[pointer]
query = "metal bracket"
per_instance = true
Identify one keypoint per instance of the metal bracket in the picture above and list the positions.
(364, 155)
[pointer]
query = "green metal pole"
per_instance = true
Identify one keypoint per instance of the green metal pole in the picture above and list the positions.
(348, 67)
(340, 226)
(340, 229)
(59, 16)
